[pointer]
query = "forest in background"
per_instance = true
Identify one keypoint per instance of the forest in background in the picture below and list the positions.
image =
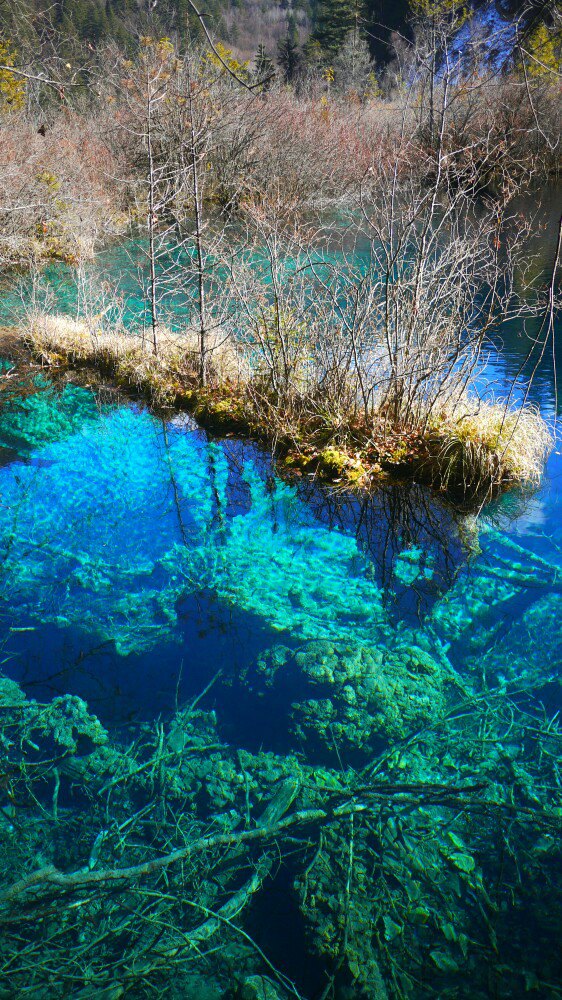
(301, 36)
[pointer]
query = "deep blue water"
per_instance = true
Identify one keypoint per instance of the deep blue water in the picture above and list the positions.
(139, 556)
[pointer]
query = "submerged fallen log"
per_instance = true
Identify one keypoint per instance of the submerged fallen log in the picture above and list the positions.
(43, 881)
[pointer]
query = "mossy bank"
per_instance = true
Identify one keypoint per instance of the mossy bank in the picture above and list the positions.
(468, 449)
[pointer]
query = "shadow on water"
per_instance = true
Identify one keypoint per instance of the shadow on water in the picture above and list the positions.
(50, 661)
(416, 542)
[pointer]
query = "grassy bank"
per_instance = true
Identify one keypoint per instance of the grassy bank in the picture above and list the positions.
(470, 448)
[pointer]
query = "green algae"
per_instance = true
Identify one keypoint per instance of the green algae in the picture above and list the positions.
(46, 416)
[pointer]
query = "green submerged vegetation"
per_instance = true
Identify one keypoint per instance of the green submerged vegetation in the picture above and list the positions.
(130, 866)
(395, 795)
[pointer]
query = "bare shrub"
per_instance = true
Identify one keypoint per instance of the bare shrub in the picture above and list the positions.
(56, 197)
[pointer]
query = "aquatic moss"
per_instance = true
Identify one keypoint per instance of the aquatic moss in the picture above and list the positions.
(333, 463)
(45, 416)
(353, 697)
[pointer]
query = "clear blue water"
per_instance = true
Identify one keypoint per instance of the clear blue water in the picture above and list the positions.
(143, 561)
(128, 541)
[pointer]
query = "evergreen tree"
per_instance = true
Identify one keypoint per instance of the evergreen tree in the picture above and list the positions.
(353, 67)
(288, 55)
(264, 68)
(382, 17)
(211, 11)
(335, 19)
(182, 13)
(292, 29)
(94, 27)
(314, 57)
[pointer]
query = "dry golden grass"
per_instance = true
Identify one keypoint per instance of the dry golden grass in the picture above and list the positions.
(131, 356)
(468, 445)
(488, 443)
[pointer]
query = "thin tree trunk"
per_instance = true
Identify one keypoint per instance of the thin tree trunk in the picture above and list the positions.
(151, 226)
(198, 239)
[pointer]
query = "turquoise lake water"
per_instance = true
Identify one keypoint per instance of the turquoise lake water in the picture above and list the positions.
(144, 562)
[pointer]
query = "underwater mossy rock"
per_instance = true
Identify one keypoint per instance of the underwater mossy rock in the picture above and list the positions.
(350, 697)
(65, 722)
(10, 693)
